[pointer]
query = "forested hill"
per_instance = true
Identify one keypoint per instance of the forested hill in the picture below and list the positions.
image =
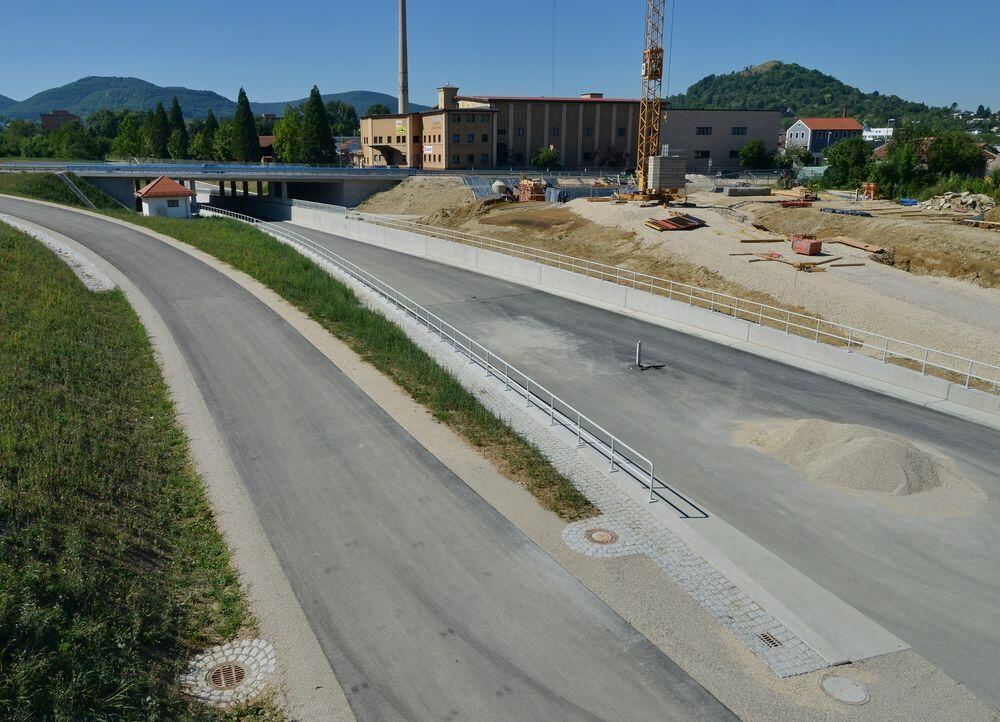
(88, 95)
(800, 92)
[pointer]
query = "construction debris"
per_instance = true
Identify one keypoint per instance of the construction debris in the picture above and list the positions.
(679, 222)
(847, 212)
(964, 202)
(796, 204)
(531, 189)
(806, 245)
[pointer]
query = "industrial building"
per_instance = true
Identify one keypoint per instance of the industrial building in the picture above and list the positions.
(484, 132)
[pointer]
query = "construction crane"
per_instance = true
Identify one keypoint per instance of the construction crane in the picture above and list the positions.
(651, 102)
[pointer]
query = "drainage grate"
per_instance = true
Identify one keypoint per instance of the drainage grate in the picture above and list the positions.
(769, 639)
(601, 536)
(226, 676)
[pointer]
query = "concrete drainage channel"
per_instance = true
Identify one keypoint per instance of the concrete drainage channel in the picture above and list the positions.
(230, 673)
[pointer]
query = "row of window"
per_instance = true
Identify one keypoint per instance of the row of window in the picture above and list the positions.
(484, 159)
(470, 138)
(470, 117)
(707, 130)
(705, 154)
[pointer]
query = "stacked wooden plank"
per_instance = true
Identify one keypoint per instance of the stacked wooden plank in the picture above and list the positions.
(679, 222)
(796, 204)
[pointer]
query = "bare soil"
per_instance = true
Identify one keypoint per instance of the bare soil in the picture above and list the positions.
(420, 196)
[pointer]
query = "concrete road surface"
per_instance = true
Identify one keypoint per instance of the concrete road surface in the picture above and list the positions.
(933, 582)
(427, 603)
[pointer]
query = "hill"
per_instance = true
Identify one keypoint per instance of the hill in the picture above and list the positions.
(801, 92)
(88, 95)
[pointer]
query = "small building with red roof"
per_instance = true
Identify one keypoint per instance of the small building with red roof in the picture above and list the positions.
(165, 197)
(818, 134)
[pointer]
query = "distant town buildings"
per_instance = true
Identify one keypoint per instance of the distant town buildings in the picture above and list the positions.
(57, 119)
(494, 131)
(818, 134)
(880, 136)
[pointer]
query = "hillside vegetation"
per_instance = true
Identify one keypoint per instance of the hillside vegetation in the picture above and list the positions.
(800, 92)
(88, 95)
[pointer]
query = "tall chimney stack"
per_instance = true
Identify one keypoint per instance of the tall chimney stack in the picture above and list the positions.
(404, 82)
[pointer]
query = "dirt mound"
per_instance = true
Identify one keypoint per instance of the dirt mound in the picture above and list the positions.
(456, 216)
(994, 215)
(420, 196)
(854, 457)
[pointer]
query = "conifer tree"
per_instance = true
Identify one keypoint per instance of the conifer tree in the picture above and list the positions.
(246, 145)
(178, 130)
(317, 140)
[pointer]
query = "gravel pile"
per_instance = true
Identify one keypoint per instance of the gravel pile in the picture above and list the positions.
(854, 457)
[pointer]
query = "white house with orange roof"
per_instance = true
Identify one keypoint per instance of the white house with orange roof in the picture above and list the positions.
(165, 197)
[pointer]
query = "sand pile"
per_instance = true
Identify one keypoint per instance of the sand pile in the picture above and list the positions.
(994, 215)
(419, 196)
(854, 457)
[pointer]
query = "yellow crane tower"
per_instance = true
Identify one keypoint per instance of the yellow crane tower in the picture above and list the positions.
(651, 102)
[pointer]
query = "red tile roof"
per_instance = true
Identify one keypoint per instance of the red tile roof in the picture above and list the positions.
(266, 141)
(831, 123)
(163, 187)
(541, 99)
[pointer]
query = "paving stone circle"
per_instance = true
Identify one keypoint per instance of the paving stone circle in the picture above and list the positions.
(844, 690)
(600, 537)
(230, 673)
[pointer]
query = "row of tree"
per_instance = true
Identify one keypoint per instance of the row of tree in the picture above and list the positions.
(306, 134)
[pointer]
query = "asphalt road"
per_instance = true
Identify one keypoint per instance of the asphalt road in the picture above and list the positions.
(933, 582)
(427, 602)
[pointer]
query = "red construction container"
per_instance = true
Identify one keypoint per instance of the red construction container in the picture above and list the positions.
(807, 246)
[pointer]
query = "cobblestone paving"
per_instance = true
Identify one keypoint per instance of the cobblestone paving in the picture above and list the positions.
(783, 652)
(255, 656)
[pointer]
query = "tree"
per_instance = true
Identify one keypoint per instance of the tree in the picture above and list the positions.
(130, 141)
(177, 146)
(222, 141)
(178, 129)
(754, 154)
(15, 135)
(105, 123)
(245, 143)
(954, 152)
(849, 162)
(378, 109)
(158, 132)
(317, 144)
(547, 157)
(211, 125)
(201, 147)
(343, 118)
(792, 156)
(288, 136)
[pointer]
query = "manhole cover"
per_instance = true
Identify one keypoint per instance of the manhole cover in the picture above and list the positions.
(226, 676)
(844, 690)
(230, 673)
(601, 536)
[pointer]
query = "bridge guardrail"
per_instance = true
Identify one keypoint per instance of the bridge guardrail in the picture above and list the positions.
(620, 455)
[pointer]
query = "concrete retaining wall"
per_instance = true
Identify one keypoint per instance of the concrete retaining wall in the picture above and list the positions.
(606, 294)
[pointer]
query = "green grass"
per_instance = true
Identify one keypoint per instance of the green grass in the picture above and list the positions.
(112, 570)
(47, 187)
(380, 342)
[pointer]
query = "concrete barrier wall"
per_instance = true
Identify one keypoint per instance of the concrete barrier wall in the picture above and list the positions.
(611, 295)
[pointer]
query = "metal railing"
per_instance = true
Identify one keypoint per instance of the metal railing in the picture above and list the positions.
(620, 455)
(954, 367)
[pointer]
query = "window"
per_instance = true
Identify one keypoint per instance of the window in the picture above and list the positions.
(501, 131)
(401, 139)
(703, 130)
(173, 203)
(588, 132)
(734, 154)
(519, 157)
(621, 132)
(456, 138)
(702, 154)
(471, 117)
(484, 159)
(739, 130)
(456, 117)
(470, 137)
(484, 117)
(519, 132)
(485, 138)
(455, 158)
(472, 158)
(587, 156)
(554, 132)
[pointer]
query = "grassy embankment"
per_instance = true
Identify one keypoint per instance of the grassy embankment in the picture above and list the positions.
(112, 571)
(377, 339)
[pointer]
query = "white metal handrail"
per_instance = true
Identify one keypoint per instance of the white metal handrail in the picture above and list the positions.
(925, 358)
(560, 412)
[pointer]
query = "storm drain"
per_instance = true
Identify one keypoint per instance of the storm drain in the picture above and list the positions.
(769, 639)
(230, 673)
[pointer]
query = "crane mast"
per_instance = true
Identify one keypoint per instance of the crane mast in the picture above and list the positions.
(651, 102)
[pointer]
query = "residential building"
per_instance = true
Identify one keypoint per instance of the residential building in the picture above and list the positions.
(165, 197)
(56, 119)
(469, 132)
(818, 134)
(881, 136)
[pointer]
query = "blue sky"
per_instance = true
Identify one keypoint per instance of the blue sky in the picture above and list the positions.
(919, 49)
